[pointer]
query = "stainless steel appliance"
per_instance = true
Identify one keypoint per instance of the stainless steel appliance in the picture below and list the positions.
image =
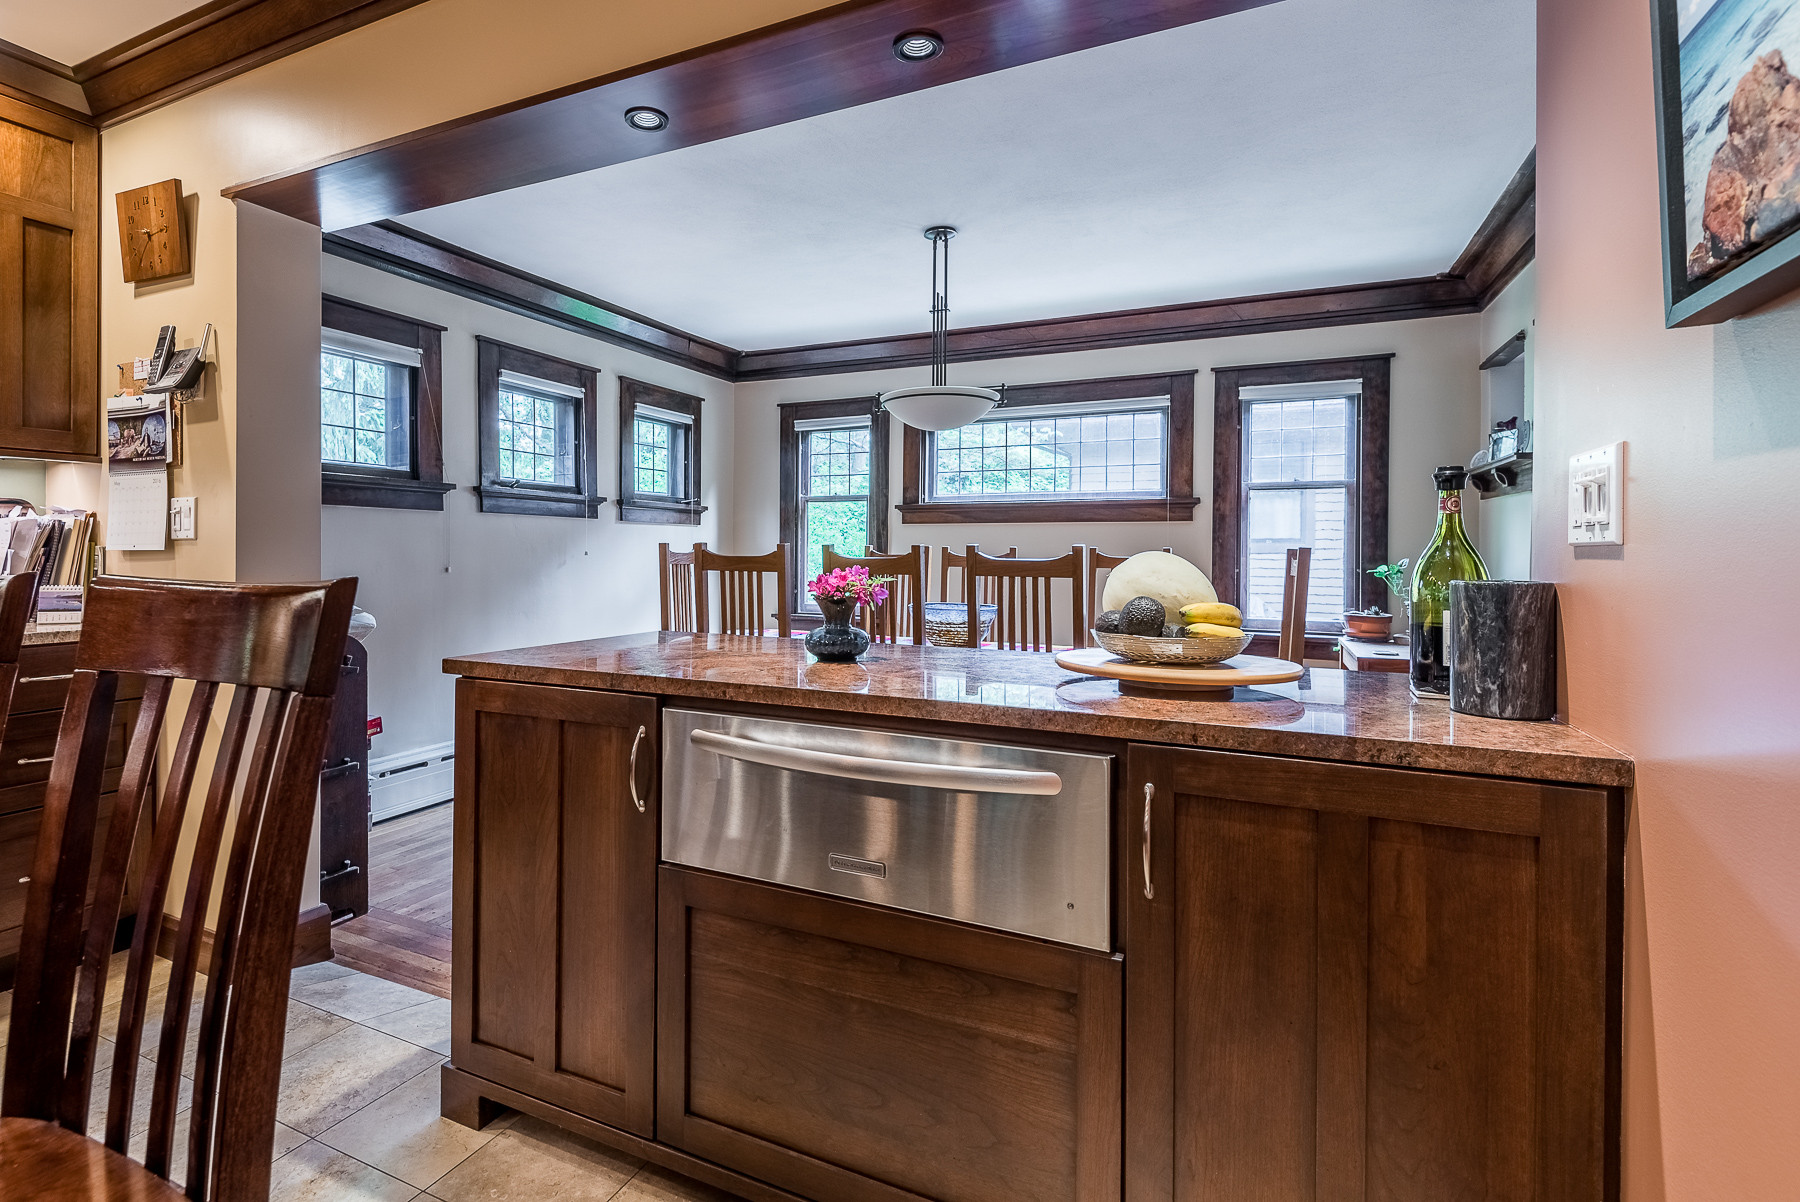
(1013, 838)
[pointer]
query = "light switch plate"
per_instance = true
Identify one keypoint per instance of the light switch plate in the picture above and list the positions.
(1597, 497)
(181, 517)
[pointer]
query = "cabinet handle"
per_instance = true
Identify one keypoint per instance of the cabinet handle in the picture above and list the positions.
(632, 772)
(46, 679)
(1149, 793)
(36, 759)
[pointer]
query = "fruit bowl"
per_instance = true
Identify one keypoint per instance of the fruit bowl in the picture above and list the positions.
(1144, 649)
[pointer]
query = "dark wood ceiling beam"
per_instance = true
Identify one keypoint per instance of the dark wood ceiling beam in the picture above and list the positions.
(415, 256)
(1507, 239)
(835, 59)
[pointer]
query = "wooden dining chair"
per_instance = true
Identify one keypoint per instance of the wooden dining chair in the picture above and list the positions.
(1098, 562)
(675, 577)
(953, 560)
(277, 647)
(1290, 644)
(743, 602)
(904, 614)
(1025, 599)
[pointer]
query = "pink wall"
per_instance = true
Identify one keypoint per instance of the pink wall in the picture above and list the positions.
(1681, 647)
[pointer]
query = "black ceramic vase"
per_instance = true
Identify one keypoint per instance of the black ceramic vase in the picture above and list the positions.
(837, 641)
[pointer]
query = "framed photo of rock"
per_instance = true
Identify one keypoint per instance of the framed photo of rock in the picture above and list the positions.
(1728, 137)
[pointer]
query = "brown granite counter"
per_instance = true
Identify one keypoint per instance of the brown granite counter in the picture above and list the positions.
(34, 637)
(1358, 717)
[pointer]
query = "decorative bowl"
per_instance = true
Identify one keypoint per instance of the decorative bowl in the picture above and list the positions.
(1369, 627)
(947, 623)
(1144, 649)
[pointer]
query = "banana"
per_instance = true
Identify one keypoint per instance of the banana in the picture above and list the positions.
(1215, 612)
(1212, 630)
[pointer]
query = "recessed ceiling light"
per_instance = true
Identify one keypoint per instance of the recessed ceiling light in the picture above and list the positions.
(917, 46)
(647, 119)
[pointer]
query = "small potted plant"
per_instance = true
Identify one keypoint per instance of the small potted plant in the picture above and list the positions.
(1375, 624)
(839, 592)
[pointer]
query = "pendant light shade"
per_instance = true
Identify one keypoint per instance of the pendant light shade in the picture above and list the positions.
(938, 405)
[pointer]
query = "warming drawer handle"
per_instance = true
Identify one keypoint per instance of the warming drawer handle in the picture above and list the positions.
(36, 759)
(1149, 795)
(890, 772)
(46, 679)
(631, 772)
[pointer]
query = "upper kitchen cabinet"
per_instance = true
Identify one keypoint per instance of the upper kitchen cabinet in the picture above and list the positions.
(49, 279)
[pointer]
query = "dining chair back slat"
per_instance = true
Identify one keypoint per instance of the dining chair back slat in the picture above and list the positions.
(676, 579)
(953, 561)
(903, 615)
(1024, 598)
(1290, 644)
(277, 648)
(743, 600)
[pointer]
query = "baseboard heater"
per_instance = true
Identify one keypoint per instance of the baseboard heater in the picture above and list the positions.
(411, 780)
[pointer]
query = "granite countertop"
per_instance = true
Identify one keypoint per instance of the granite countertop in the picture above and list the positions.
(34, 637)
(1329, 714)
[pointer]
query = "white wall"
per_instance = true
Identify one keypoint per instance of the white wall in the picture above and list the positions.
(1504, 533)
(463, 581)
(1434, 419)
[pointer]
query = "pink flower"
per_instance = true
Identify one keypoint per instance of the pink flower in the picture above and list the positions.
(849, 584)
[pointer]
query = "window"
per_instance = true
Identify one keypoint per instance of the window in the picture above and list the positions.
(659, 455)
(1091, 450)
(1309, 470)
(537, 416)
(380, 380)
(833, 484)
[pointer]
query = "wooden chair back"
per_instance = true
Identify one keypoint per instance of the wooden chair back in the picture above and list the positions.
(904, 614)
(1290, 644)
(955, 560)
(1098, 562)
(16, 596)
(277, 647)
(1024, 597)
(675, 576)
(743, 602)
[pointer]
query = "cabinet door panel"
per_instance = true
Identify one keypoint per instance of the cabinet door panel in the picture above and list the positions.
(1353, 984)
(554, 946)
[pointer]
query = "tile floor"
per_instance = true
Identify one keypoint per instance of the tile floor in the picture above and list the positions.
(358, 1116)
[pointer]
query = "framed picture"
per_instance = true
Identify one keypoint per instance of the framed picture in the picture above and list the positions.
(1728, 108)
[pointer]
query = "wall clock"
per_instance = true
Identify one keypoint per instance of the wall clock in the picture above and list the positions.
(152, 244)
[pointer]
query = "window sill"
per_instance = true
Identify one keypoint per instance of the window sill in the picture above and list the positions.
(381, 492)
(1119, 509)
(649, 512)
(498, 498)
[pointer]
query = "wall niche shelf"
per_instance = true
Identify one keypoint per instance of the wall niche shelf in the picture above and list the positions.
(1503, 477)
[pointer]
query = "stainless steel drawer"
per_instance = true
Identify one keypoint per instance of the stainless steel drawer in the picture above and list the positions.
(1013, 838)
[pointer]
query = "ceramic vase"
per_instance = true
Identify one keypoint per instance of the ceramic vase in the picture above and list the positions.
(837, 641)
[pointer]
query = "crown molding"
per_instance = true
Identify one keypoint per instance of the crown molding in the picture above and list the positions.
(1507, 238)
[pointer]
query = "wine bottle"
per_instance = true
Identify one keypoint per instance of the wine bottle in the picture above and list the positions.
(1450, 556)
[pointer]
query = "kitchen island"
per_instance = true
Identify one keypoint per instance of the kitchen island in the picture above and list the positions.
(1353, 946)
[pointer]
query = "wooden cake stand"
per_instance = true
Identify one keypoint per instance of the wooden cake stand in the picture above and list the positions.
(1188, 682)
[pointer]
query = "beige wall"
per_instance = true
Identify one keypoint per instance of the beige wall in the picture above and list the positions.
(459, 581)
(1712, 419)
(1434, 419)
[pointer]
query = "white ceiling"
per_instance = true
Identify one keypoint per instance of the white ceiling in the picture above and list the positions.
(70, 31)
(1308, 143)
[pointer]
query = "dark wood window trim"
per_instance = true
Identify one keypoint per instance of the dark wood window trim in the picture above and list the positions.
(422, 486)
(496, 496)
(685, 508)
(1178, 506)
(794, 412)
(1230, 496)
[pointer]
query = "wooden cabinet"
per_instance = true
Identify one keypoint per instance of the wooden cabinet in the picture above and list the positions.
(26, 749)
(49, 281)
(1356, 983)
(554, 961)
(845, 1052)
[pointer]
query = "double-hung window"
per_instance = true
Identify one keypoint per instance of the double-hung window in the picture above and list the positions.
(537, 428)
(1304, 465)
(1090, 450)
(659, 455)
(538, 420)
(834, 484)
(379, 441)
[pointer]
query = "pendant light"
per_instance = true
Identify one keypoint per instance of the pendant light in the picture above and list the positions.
(939, 406)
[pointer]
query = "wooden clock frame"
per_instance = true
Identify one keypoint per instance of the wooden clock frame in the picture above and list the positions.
(164, 249)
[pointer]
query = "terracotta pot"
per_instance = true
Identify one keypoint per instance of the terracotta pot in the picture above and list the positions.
(1369, 626)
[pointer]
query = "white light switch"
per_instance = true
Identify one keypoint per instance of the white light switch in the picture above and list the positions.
(1597, 497)
(181, 517)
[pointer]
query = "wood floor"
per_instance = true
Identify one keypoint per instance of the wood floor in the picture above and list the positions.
(405, 936)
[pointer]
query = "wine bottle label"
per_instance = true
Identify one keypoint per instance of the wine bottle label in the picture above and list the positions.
(1450, 502)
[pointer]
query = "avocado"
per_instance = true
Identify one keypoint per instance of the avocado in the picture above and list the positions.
(1110, 622)
(1143, 616)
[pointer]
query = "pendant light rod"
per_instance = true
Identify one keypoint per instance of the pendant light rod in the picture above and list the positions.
(940, 236)
(938, 406)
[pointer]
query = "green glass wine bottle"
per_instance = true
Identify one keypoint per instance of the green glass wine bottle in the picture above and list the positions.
(1450, 556)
